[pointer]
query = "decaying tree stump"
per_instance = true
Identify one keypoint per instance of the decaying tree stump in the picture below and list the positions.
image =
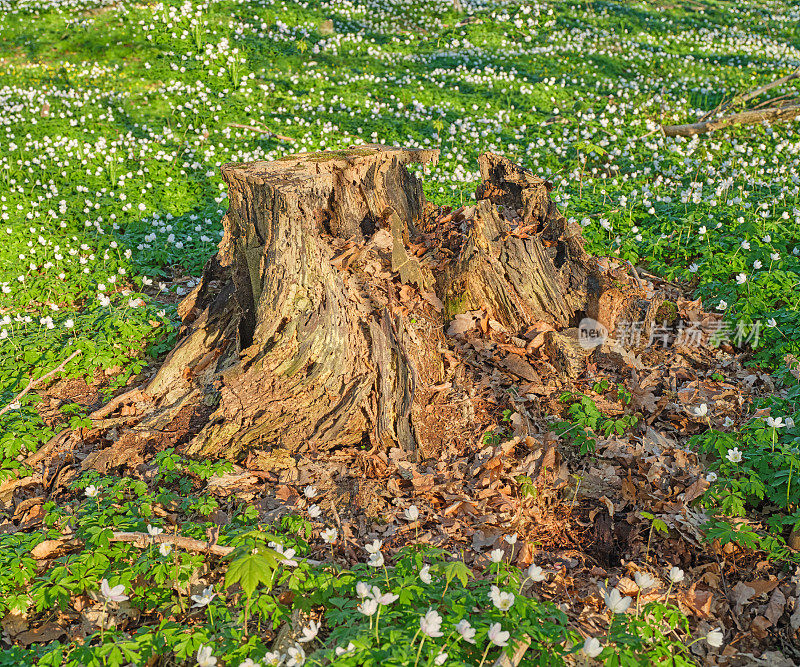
(298, 335)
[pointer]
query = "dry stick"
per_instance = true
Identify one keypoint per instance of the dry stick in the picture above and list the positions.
(338, 520)
(789, 112)
(754, 93)
(130, 396)
(261, 130)
(144, 540)
(639, 282)
(778, 82)
(773, 101)
(34, 383)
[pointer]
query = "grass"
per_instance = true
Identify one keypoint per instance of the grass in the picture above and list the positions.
(115, 122)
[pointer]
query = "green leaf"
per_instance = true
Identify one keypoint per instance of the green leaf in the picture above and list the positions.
(251, 569)
(457, 569)
(660, 526)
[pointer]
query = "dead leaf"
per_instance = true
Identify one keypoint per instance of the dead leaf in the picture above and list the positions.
(627, 586)
(775, 607)
(485, 538)
(629, 489)
(53, 548)
(696, 489)
(697, 603)
(794, 620)
(741, 595)
(761, 586)
(759, 627)
(422, 483)
(43, 634)
(462, 323)
(406, 293)
(434, 300)
(793, 365)
(14, 623)
(520, 367)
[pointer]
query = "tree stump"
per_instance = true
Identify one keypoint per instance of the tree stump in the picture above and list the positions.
(321, 322)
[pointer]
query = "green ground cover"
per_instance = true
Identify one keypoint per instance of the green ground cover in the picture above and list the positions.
(114, 121)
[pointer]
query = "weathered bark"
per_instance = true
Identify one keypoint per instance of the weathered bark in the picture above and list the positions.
(534, 270)
(292, 350)
(297, 336)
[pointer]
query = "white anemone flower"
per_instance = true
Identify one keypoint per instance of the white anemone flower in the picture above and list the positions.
(497, 635)
(676, 575)
(431, 624)
(615, 601)
(310, 633)
(115, 594)
(592, 647)
(205, 598)
(734, 455)
(205, 657)
(466, 631)
(644, 580)
(715, 638)
(368, 607)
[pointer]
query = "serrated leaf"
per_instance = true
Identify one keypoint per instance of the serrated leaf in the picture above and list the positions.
(251, 569)
(457, 569)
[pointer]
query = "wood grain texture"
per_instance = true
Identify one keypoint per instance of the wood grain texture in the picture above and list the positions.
(296, 337)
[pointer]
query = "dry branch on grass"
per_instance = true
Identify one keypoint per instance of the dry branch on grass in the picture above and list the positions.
(753, 94)
(52, 548)
(38, 381)
(520, 647)
(750, 117)
(776, 112)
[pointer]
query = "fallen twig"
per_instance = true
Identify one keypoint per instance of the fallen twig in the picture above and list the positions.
(639, 282)
(261, 130)
(142, 541)
(741, 99)
(788, 112)
(34, 383)
(769, 86)
(130, 396)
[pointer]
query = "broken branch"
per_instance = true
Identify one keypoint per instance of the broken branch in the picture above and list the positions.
(34, 383)
(769, 86)
(746, 97)
(142, 540)
(520, 647)
(751, 117)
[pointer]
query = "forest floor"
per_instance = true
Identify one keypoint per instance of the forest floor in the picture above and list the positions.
(643, 515)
